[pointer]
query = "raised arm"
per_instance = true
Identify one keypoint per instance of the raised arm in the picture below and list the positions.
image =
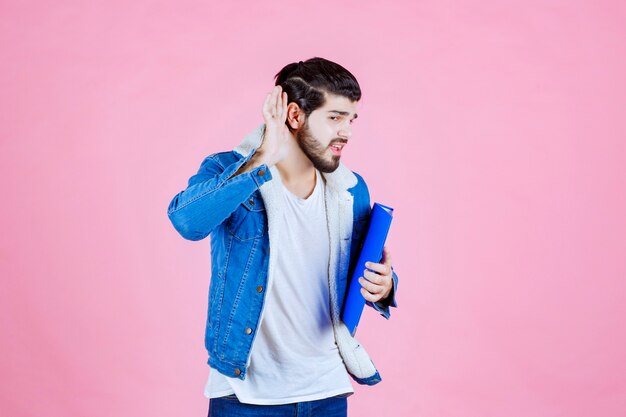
(214, 193)
(216, 190)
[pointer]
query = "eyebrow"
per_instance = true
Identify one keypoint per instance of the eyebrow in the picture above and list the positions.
(343, 113)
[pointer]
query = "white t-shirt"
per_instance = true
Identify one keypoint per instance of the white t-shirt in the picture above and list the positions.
(294, 356)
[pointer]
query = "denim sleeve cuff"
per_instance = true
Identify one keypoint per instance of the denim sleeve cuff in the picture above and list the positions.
(260, 174)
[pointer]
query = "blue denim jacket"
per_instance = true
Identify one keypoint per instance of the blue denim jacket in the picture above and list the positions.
(242, 216)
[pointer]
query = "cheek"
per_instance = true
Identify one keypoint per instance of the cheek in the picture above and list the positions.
(324, 135)
(324, 130)
(329, 133)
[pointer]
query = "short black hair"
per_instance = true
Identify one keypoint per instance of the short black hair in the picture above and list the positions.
(305, 83)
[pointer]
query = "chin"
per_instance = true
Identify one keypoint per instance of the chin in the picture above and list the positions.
(328, 167)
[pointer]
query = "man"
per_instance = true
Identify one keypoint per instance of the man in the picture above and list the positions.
(286, 221)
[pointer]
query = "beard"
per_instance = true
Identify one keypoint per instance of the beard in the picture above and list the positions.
(316, 152)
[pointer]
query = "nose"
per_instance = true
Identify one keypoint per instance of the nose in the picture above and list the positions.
(345, 131)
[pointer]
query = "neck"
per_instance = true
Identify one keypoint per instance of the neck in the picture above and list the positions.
(296, 169)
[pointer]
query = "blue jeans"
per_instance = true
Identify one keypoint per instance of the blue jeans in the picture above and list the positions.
(229, 406)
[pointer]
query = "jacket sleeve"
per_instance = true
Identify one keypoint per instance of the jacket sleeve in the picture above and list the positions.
(212, 196)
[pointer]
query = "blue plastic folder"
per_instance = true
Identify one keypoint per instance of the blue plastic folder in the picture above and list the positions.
(372, 251)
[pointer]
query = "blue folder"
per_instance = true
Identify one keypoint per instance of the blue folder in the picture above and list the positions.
(372, 251)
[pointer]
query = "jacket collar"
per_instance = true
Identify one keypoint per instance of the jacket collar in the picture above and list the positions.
(341, 179)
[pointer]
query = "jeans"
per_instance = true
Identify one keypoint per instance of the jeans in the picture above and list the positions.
(229, 406)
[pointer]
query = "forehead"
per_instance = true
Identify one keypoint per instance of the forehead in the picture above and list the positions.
(339, 103)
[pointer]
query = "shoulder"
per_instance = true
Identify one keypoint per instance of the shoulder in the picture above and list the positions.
(361, 194)
(223, 159)
(361, 185)
(218, 161)
(212, 165)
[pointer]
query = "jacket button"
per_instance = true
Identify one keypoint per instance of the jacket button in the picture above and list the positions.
(252, 201)
(261, 172)
(248, 330)
(237, 371)
(259, 289)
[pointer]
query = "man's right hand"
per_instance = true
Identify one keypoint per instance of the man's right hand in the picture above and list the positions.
(274, 147)
(275, 142)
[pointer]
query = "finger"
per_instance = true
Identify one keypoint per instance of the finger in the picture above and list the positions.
(370, 297)
(277, 101)
(386, 256)
(374, 277)
(284, 113)
(380, 268)
(270, 107)
(281, 105)
(384, 282)
(275, 92)
(266, 106)
(371, 287)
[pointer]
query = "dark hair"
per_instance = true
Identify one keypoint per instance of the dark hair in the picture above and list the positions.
(306, 82)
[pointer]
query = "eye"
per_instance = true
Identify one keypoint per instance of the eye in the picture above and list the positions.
(334, 117)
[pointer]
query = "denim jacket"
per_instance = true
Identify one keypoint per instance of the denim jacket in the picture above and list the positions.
(242, 216)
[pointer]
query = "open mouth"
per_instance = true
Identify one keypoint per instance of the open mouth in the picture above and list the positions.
(336, 149)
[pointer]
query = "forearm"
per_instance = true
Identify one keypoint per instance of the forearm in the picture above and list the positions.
(255, 161)
(202, 206)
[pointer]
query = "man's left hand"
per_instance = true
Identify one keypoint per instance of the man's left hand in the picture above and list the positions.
(378, 282)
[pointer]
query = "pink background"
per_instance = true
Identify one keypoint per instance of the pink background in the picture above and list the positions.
(498, 126)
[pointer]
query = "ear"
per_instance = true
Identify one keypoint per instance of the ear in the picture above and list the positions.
(295, 116)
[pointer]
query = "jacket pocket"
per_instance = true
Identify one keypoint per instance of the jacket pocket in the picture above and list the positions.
(249, 220)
